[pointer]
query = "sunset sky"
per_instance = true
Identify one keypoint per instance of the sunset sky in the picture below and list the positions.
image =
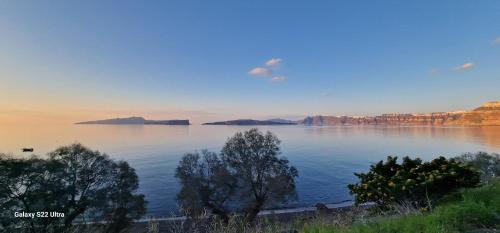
(67, 61)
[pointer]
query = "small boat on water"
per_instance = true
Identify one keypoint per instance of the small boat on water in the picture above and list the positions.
(27, 149)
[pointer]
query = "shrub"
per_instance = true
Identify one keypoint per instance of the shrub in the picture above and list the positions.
(477, 210)
(487, 164)
(412, 182)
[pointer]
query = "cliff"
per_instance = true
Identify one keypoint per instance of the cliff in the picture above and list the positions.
(135, 121)
(486, 114)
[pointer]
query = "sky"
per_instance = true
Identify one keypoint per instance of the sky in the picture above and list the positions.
(67, 61)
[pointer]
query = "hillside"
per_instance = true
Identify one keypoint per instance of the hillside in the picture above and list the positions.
(486, 114)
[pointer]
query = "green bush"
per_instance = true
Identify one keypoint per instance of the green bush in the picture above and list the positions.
(477, 210)
(412, 182)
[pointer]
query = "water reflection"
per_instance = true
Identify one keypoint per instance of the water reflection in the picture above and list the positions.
(326, 157)
(485, 135)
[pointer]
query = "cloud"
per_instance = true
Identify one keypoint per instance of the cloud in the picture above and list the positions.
(327, 94)
(270, 67)
(497, 41)
(273, 62)
(464, 67)
(435, 71)
(261, 71)
(279, 79)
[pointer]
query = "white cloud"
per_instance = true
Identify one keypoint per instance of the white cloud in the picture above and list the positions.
(261, 71)
(279, 79)
(273, 62)
(464, 67)
(435, 71)
(270, 67)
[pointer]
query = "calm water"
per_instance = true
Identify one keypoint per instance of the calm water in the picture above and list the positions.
(326, 157)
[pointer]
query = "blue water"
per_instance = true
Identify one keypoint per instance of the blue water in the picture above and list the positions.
(326, 157)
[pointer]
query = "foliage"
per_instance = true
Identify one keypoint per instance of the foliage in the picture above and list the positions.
(248, 170)
(412, 182)
(477, 211)
(30, 185)
(206, 183)
(75, 181)
(487, 164)
(87, 175)
(263, 177)
(122, 205)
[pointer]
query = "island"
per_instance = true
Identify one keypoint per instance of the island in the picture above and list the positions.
(134, 121)
(251, 122)
(488, 114)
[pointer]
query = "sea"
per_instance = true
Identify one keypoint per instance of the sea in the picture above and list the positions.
(325, 156)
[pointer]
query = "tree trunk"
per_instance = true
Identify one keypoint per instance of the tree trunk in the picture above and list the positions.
(255, 209)
(222, 214)
(69, 219)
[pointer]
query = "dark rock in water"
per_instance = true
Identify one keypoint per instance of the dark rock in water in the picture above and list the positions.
(323, 209)
(27, 149)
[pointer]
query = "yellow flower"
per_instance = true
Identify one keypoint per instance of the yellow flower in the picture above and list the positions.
(392, 184)
(365, 186)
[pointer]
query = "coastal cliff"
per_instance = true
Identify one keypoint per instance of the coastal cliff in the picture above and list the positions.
(486, 114)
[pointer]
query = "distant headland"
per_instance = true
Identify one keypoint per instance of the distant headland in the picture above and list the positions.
(134, 121)
(487, 114)
(253, 122)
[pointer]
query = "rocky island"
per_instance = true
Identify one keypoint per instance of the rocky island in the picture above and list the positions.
(135, 121)
(487, 114)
